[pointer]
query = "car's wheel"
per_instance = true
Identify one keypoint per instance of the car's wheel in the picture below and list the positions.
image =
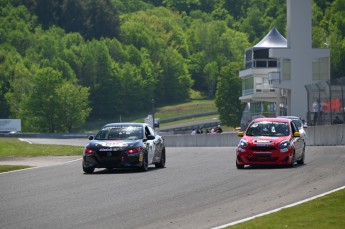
(161, 163)
(292, 160)
(145, 163)
(239, 166)
(301, 161)
(88, 170)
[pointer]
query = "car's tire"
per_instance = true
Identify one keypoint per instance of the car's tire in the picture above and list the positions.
(161, 163)
(292, 160)
(88, 170)
(301, 161)
(239, 166)
(145, 163)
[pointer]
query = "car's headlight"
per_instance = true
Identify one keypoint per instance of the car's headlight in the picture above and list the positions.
(243, 143)
(284, 146)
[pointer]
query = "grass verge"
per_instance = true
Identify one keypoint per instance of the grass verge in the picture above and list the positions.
(12, 147)
(324, 212)
(6, 168)
(188, 120)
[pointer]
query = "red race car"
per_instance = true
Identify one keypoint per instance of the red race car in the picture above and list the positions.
(270, 141)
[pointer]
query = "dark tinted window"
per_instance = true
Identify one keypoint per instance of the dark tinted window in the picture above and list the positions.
(120, 133)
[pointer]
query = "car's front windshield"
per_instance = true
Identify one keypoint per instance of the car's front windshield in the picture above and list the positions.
(264, 128)
(120, 133)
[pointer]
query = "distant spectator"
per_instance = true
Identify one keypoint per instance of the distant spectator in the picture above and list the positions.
(207, 131)
(193, 132)
(337, 120)
(218, 129)
(317, 108)
(304, 124)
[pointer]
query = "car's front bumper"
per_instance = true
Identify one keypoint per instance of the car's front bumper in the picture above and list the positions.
(274, 157)
(122, 161)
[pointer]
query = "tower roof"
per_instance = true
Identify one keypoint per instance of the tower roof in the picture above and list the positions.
(272, 40)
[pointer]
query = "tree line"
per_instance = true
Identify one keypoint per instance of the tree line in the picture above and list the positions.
(63, 62)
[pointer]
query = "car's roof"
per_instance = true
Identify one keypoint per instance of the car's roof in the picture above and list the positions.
(125, 124)
(290, 117)
(272, 120)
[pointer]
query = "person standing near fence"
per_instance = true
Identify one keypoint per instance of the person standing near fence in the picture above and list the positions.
(317, 111)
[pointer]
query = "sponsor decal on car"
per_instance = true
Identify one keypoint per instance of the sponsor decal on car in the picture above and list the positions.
(114, 144)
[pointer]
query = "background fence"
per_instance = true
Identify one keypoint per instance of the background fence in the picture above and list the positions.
(326, 100)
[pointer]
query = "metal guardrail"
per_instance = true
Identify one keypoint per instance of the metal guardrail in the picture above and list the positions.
(327, 135)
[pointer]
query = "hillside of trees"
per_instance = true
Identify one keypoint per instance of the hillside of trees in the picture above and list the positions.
(63, 62)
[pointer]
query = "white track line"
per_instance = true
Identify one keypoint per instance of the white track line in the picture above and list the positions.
(278, 209)
(23, 140)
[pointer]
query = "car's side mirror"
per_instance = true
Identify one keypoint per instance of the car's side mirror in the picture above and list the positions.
(297, 134)
(240, 134)
(150, 137)
(91, 137)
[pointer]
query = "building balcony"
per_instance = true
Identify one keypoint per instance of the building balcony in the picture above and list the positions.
(260, 92)
(261, 63)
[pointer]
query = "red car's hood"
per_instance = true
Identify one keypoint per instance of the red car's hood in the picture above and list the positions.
(265, 140)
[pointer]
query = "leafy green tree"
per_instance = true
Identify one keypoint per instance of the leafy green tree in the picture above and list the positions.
(73, 15)
(130, 6)
(227, 97)
(42, 107)
(102, 20)
(15, 81)
(46, 10)
(158, 31)
(16, 27)
(182, 5)
(174, 83)
(97, 73)
(336, 39)
(212, 72)
(253, 24)
(72, 53)
(20, 89)
(319, 27)
(72, 101)
(212, 45)
(91, 18)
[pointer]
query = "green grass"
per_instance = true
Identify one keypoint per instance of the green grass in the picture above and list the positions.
(324, 212)
(12, 147)
(187, 108)
(195, 106)
(188, 120)
(6, 168)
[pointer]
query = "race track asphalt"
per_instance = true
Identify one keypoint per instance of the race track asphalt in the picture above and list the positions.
(199, 188)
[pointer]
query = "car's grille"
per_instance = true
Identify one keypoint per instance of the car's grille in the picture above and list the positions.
(271, 159)
(263, 158)
(105, 156)
(262, 148)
